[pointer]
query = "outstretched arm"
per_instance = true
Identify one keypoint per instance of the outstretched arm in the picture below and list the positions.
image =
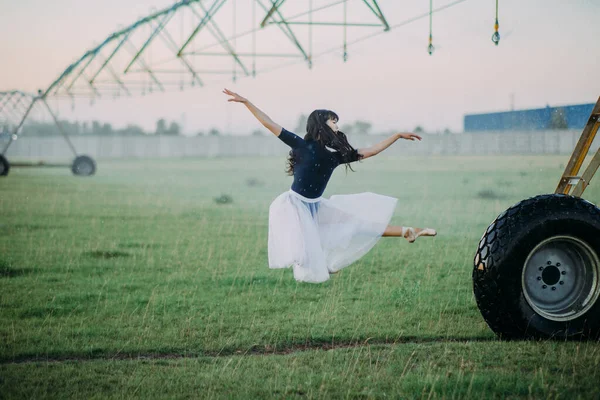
(260, 116)
(384, 144)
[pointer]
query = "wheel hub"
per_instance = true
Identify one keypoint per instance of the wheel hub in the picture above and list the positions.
(551, 275)
(84, 168)
(560, 278)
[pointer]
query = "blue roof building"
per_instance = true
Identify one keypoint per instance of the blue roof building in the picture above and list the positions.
(567, 117)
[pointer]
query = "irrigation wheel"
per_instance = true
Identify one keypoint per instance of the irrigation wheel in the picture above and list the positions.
(537, 270)
(83, 166)
(4, 166)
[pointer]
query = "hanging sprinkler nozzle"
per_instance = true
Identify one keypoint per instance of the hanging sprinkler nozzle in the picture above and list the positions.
(430, 48)
(496, 35)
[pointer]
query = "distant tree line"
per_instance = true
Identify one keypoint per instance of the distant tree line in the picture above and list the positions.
(97, 128)
(357, 127)
(93, 128)
(165, 128)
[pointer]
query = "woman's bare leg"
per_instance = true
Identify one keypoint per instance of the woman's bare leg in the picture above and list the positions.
(396, 231)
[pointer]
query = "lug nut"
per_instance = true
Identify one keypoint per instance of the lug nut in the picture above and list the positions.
(541, 268)
(562, 282)
(539, 278)
(553, 287)
(549, 263)
(564, 272)
(558, 264)
(544, 287)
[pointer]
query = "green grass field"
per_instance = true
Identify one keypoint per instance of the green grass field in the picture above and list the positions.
(137, 283)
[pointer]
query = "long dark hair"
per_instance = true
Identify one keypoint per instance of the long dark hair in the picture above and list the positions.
(317, 130)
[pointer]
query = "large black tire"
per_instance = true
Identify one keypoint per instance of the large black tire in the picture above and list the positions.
(83, 166)
(537, 270)
(4, 166)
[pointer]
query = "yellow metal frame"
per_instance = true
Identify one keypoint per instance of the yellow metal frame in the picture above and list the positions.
(570, 178)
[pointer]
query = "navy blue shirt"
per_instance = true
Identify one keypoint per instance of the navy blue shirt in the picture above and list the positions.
(314, 164)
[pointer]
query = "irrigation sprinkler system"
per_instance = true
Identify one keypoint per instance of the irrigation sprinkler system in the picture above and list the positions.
(15, 106)
(186, 45)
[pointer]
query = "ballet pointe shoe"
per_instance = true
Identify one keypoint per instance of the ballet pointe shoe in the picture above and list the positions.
(427, 232)
(409, 234)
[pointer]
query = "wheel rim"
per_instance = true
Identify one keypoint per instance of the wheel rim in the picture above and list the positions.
(560, 278)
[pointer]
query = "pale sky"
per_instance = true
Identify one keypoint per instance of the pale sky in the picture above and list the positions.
(548, 54)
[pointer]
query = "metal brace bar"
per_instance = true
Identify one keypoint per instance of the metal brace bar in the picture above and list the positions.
(379, 15)
(587, 175)
(115, 77)
(20, 124)
(225, 43)
(81, 72)
(168, 39)
(10, 109)
(6, 99)
(91, 85)
(326, 23)
(211, 11)
(245, 54)
(59, 127)
(78, 75)
(580, 151)
(147, 69)
(161, 25)
(20, 106)
(110, 56)
(274, 7)
(289, 33)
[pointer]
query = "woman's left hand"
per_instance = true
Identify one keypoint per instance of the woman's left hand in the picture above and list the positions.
(234, 96)
(408, 136)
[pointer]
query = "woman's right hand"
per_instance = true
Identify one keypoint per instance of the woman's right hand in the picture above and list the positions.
(409, 136)
(235, 97)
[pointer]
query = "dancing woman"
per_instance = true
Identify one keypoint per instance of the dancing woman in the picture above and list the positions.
(315, 235)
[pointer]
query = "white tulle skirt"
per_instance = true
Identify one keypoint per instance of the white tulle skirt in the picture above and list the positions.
(321, 236)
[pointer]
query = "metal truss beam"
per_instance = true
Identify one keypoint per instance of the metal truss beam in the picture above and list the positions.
(74, 80)
(282, 24)
(26, 110)
(145, 67)
(77, 76)
(274, 7)
(371, 4)
(215, 54)
(114, 75)
(112, 54)
(327, 23)
(5, 99)
(168, 39)
(209, 14)
(225, 43)
(377, 11)
(155, 32)
(11, 139)
(112, 37)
